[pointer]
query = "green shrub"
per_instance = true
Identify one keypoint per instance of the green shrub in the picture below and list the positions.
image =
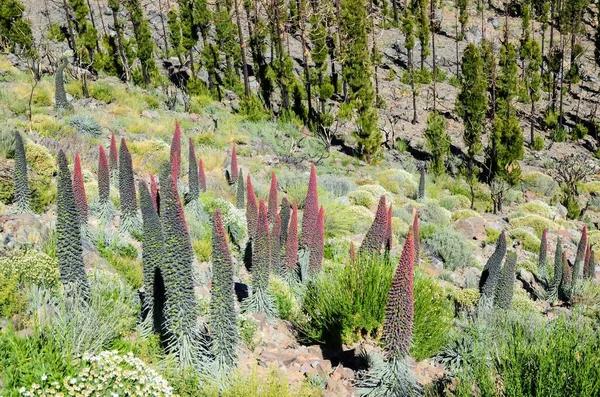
(248, 328)
(451, 246)
(558, 134)
(529, 241)
(579, 132)
(538, 143)
(466, 298)
(536, 222)
(465, 214)
(31, 267)
(434, 313)
(433, 213)
(86, 125)
(285, 302)
(129, 268)
(362, 198)
(454, 202)
(11, 297)
(102, 92)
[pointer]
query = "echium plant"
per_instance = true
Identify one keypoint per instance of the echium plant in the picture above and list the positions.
(311, 210)
(129, 217)
(275, 245)
(251, 208)
(201, 176)
(113, 160)
(105, 209)
(60, 96)
(491, 273)
(261, 301)
(291, 243)
(22, 193)
(232, 174)
(68, 236)
(154, 192)
(390, 375)
(273, 208)
(240, 194)
(506, 284)
(193, 183)
(315, 258)
(565, 288)
(586, 264)
(185, 340)
(79, 191)
(580, 258)
(175, 160)
(421, 193)
(542, 270)
(152, 251)
(389, 235)
(375, 238)
(222, 315)
(558, 269)
(417, 237)
(285, 213)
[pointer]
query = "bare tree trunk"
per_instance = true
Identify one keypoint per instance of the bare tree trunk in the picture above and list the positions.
(120, 48)
(164, 29)
(71, 38)
(101, 18)
(94, 24)
(434, 65)
(242, 50)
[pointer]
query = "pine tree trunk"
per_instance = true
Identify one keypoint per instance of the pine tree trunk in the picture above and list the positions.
(71, 38)
(120, 49)
(94, 24)
(562, 81)
(531, 133)
(412, 86)
(164, 29)
(101, 18)
(242, 50)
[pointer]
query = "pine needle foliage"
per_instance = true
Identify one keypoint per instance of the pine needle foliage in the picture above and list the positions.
(68, 236)
(22, 192)
(506, 284)
(222, 315)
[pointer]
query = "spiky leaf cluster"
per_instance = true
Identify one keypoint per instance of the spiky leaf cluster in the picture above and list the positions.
(311, 210)
(558, 269)
(275, 245)
(251, 208)
(491, 270)
(580, 258)
(375, 237)
(154, 192)
(60, 96)
(315, 259)
(399, 310)
(388, 378)
(240, 196)
(421, 193)
(194, 186)
(273, 208)
(291, 243)
(506, 284)
(22, 193)
(113, 159)
(68, 237)
(222, 316)
(152, 247)
(79, 191)
(181, 309)
(542, 272)
(127, 189)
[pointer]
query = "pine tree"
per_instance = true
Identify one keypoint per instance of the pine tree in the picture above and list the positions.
(60, 96)
(311, 210)
(251, 208)
(318, 244)
(240, 197)
(542, 262)
(580, 258)
(357, 75)
(375, 238)
(533, 79)
(153, 251)
(273, 208)
(143, 38)
(222, 315)
(129, 219)
(113, 159)
(86, 40)
(421, 13)
(175, 159)
(201, 176)
(194, 186)
(472, 102)
(69, 251)
(491, 271)
(79, 191)
(438, 142)
(261, 300)
(291, 242)
(505, 288)
(408, 28)
(463, 18)
(22, 193)
(15, 29)
(399, 310)
(181, 309)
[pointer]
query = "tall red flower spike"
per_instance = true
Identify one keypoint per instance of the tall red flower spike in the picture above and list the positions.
(275, 244)
(176, 151)
(586, 263)
(234, 165)
(389, 236)
(311, 210)
(79, 189)
(315, 259)
(417, 236)
(273, 200)
(201, 175)
(375, 237)
(103, 176)
(251, 207)
(113, 154)
(399, 310)
(154, 191)
(291, 243)
(261, 257)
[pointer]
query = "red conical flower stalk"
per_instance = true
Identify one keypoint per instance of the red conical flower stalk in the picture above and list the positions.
(291, 242)
(79, 190)
(375, 237)
(251, 207)
(176, 152)
(315, 258)
(275, 244)
(261, 258)
(234, 165)
(417, 237)
(273, 200)
(103, 176)
(201, 175)
(388, 232)
(113, 155)
(399, 310)
(311, 210)
(154, 192)
(580, 258)
(586, 264)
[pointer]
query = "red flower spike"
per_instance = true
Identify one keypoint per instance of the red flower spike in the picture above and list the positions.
(176, 151)
(154, 191)
(273, 200)
(388, 231)
(103, 176)
(291, 243)
(79, 189)
(417, 237)
(311, 210)
(251, 207)
(375, 237)
(234, 165)
(113, 154)
(201, 175)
